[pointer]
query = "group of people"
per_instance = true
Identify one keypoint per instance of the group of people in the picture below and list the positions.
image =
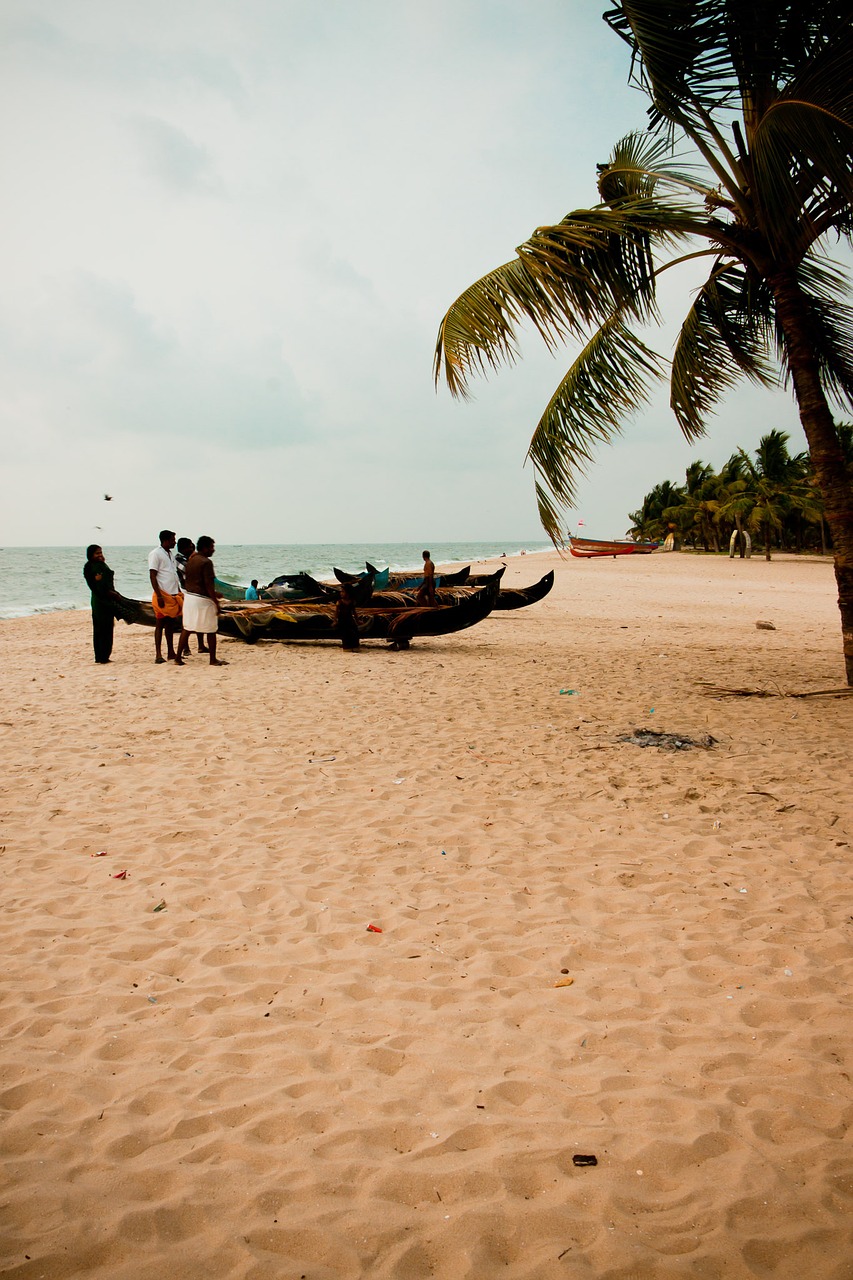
(183, 587)
(183, 597)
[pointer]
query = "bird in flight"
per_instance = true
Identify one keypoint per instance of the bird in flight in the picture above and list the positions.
(108, 497)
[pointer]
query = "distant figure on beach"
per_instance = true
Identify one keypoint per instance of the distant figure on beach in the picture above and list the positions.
(100, 578)
(201, 603)
(346, 619)
(167, 598)
(184, 550)
(426, 592)
(252, 591)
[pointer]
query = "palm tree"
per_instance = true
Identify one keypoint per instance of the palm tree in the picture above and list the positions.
(649, 524)
(759, 93)
(775, 486)
(696, 514)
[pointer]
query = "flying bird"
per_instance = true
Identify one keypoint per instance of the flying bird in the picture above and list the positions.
(108, 497)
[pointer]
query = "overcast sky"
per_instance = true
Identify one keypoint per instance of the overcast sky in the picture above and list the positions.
(229, 232)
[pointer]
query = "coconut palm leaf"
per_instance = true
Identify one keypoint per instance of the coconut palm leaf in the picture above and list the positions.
(566, 277)
(679, 55)
(728, 334)
(610, 378)
(802, 143)
(638, 165)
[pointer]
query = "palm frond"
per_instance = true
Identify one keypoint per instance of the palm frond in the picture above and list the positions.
(679, 55)
(800, 133)
(566, 277)
(479, 330)
(638, 164)
(727, 334)
(610, 378)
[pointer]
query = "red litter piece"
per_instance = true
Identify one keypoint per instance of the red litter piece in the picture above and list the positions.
(373, 928)
(102, 853)
(120, 875)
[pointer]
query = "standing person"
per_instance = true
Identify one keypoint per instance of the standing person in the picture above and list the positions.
(426, 592)
(201, 605)
(100, 578)
(167, 598)
(252, 591)
(184, 550)
(345, 618)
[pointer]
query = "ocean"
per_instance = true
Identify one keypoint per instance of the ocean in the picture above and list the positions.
(45, 579)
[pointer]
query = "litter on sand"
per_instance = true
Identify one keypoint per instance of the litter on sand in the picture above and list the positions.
(582, 1161)
(120, 875)
(161, 905)
(569, 691)
(564, 982)
(666, 741)
(102, 853)
(373, 928)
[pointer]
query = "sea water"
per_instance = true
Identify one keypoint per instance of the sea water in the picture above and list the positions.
(44, 579)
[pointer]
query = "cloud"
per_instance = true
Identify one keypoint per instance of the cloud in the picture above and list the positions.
(172, 157)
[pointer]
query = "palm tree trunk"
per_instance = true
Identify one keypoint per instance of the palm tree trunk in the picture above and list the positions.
(794, 316)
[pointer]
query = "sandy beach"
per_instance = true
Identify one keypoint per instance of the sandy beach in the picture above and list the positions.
(250, 1083)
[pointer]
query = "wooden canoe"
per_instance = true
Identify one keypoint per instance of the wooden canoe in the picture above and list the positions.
(316, 621)
(589, 548)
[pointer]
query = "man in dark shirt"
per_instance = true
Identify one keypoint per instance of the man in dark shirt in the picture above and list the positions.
(100, 578)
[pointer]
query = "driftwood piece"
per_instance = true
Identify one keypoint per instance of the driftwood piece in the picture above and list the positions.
(718, 691)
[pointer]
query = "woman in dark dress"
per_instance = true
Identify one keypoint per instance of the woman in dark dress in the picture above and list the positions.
(100, 578)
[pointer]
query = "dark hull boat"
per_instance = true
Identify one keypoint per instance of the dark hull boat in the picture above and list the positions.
(589, 548)
(316, 621)
(520, 597)
(385, 580)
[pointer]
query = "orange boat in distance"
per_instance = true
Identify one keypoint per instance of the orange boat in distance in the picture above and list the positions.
(588, 548)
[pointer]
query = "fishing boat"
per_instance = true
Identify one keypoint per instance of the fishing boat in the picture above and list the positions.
(450, 587)
(589, 548)
(520, 597)
(301, 620)
(412, 581)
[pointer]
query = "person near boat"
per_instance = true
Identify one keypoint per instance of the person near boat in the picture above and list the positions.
(167, 597)
(252, 591)
(100, 578)
(183, 551)
(426, 592)
(201, 603)
(345, 618)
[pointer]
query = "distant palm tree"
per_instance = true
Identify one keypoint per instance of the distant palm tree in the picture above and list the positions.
(776, 485)
(762, 92)
(696, 514)
(649, 523)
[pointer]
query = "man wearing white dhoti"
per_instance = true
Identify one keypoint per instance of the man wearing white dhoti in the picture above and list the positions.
(201, 604)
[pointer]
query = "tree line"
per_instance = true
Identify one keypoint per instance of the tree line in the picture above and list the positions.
(774, 496)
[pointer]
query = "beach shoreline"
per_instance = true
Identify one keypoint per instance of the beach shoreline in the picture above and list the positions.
(250, 1083)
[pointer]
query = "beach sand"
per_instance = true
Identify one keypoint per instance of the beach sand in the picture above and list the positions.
(250, 1083)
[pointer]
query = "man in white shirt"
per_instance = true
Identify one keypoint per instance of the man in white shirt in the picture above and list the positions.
(167, 597)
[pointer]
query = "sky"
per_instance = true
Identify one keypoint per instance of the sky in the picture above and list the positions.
(229, 233)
